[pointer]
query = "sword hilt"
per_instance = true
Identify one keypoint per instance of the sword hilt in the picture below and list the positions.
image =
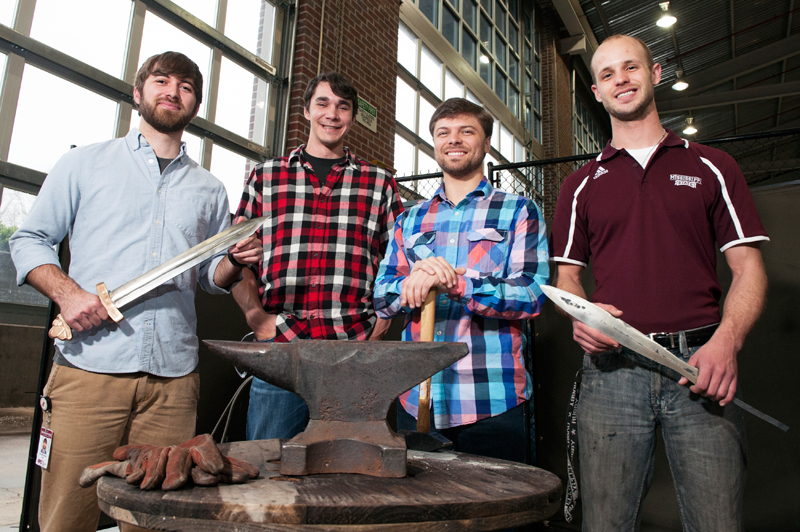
(62, 331)
(105, 299)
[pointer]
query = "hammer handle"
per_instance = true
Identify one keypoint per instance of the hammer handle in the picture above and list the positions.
(427, 323)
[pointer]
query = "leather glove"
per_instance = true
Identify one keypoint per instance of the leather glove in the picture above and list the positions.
(152, 467)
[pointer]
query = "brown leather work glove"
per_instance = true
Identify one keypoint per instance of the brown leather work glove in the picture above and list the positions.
(171, 467)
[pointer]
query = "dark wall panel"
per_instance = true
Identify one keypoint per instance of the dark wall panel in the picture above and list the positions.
(768, 368)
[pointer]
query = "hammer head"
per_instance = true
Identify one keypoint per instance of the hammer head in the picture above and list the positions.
(340, 380)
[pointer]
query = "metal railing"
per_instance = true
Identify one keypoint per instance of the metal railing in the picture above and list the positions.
(765, 159)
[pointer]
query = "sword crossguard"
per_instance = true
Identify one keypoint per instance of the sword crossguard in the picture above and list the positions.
(105, 299)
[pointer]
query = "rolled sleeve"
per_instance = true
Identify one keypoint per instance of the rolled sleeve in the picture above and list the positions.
(48, 222)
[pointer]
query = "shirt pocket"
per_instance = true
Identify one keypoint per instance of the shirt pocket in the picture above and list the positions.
(420, 246)
(192, 217)
(487, 249)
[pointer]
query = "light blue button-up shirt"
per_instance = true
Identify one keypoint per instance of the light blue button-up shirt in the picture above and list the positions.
(124, 218)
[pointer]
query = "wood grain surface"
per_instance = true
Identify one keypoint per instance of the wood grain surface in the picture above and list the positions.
(443, 491)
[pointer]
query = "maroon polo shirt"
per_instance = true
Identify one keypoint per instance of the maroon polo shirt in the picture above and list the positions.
(651, 232)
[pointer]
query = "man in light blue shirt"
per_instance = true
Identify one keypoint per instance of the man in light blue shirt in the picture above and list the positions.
(128, 205)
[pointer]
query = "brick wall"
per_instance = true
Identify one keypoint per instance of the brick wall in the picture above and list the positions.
(359, 41)
(556, 104)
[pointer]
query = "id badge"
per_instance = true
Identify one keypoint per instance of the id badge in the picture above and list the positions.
(45, 444)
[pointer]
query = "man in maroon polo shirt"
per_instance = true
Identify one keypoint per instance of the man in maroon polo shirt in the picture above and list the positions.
(650, 211)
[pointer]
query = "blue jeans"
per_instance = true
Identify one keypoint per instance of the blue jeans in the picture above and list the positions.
(503, 436)
(623, 397)
(274, 412)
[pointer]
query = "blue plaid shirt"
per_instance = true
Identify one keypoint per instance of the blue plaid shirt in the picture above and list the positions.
(501, 240)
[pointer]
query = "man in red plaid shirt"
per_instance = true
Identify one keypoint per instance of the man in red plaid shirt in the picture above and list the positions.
(331, 217)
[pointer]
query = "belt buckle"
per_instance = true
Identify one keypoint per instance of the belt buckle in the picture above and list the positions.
(671, 337)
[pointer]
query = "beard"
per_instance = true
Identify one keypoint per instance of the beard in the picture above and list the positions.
(459, 168)
(164, 120)
(637, 112)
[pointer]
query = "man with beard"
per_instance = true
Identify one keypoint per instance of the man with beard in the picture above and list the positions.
(484, 251)
(648, 211)
(128, 205)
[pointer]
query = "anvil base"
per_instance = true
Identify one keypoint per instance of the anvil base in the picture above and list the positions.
(367, 447)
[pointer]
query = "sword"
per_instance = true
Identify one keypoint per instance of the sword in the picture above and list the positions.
(602, 320)
(119, 297)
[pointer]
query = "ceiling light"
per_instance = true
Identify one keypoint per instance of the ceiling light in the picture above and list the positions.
(666, 19)
(690, 129)
(484, 59)
(680, 83)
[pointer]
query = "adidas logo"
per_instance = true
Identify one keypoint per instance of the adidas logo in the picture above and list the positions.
(600, 171)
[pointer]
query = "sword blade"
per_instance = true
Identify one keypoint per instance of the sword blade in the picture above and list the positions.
(204, 250)
(602, 320)
(597, 318)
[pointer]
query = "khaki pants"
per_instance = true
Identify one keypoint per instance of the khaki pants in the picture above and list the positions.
(93, 414)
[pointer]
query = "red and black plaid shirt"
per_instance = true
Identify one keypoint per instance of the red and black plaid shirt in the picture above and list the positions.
(322, 245)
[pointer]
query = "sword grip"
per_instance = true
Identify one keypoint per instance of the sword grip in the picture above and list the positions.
(105, 299)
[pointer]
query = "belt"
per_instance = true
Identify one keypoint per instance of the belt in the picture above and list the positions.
(694, 337)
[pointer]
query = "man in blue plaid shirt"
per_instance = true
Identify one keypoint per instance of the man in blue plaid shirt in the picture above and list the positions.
(485, 253)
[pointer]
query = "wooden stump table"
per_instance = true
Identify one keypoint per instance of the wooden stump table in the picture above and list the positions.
(443, 491)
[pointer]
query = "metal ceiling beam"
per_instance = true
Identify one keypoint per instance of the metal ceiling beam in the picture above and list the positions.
(575, 21)
(744, 64)
(717, 99)
(603, 19)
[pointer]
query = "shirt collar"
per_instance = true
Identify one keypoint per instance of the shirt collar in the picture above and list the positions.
(296, 156)
(670, 140)
(483, 189)
(136, 141)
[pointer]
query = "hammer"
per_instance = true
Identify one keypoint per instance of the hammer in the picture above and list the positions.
(427, 323)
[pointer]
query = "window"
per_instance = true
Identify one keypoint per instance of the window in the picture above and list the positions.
(251, 23)
(586, 135)
(40, 147)
(403, 156)
(14, 209)
(242, 102)
(406, 99)
(489, 40)
(500, 17)
(232, 169)
(453, 88)
(532, 74)
(97, 33)
(430, 8)
(425, 113)
(62, 25)
(407, 49)
(430, 72)
(205, 10)
(450, 27)
(160, 36)
(7, 10)
(423, 68)
(468, 50)
(469, 10)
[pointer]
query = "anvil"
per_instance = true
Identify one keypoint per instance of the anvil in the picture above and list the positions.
(348, 387)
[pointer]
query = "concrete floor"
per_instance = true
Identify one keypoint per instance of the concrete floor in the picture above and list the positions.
(15, 426)
(13, 455)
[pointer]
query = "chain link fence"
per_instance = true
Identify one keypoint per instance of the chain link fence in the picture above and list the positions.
(765, 159)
